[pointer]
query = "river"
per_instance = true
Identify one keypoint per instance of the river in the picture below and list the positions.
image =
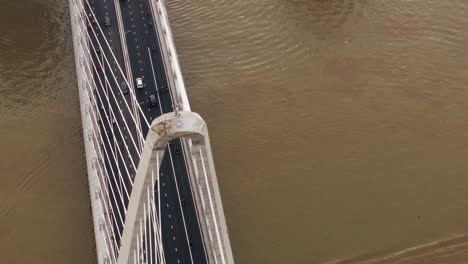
(339, 128)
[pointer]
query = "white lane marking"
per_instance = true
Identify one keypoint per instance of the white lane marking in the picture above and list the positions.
(154, 77)
(172, 162)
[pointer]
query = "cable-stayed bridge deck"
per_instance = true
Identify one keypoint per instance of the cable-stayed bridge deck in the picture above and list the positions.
(155, 196)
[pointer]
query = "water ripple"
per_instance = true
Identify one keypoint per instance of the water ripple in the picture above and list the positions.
(249, 64)
(33, 46)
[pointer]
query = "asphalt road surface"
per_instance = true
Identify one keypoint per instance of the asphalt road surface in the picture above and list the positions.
(182, 240)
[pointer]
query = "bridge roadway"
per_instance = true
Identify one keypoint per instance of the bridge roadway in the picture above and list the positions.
(182, 240)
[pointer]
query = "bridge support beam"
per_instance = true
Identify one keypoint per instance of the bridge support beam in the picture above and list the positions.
(203, 182)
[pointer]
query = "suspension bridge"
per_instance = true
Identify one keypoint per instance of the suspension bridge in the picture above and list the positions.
(154, 191)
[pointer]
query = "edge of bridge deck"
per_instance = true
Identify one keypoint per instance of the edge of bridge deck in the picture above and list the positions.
(91, 155)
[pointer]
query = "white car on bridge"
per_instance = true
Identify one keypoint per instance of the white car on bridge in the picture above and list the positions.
(139, 83)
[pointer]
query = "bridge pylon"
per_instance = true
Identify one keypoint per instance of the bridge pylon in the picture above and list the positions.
(192, 128)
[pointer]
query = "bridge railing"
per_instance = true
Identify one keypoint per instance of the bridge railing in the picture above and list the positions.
(105, 248)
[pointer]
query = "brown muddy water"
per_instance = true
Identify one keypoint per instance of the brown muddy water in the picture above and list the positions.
(339, 128)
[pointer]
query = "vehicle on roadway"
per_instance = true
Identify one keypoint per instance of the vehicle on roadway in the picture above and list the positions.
(93, 20)
(107, 21)
(123, 87)
(152, 99)
(139, 83)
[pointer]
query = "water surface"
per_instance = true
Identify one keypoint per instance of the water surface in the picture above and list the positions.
(45, 214)
(339, 128)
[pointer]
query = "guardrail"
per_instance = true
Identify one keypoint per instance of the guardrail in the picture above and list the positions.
(103, 251)
(170, 58)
